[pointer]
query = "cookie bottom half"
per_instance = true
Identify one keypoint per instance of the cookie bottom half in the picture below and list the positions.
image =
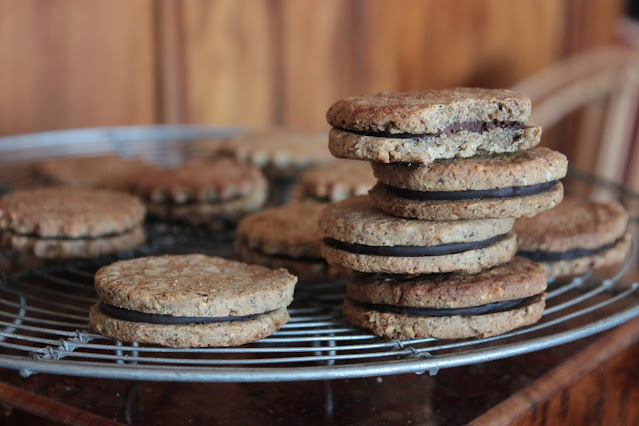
(469, 261)
(494, 208)
(425, 149)
(404, 327)
(218, 334)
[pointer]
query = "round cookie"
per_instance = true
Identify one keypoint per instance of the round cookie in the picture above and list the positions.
(279, 152)
(517, 184)
(204, 191)
(576, 236)
(360, 237)
(286, 237)
(429, 125)
(60, 223)
(335, 182)
(105, 171)
(448, 306)
(190, 301)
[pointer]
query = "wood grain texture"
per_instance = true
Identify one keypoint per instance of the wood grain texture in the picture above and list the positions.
(73, 63)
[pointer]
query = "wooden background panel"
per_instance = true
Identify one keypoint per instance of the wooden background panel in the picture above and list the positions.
(74, 63)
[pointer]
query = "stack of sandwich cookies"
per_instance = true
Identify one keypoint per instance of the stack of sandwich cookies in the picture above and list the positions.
(190, 301)
(425, 126)
(286, 237)
(69, 223)
(204, 191)
(575, 237)
(517, 184)
(454, 168)
(360, 237)
(448, 306)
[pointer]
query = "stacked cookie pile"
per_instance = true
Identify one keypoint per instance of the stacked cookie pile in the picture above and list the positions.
(432, 245)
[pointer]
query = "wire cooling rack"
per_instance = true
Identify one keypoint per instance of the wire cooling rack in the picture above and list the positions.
(44, 312)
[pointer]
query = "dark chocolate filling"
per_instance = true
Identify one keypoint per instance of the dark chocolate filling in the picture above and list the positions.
(475, 126)
(412, 251)
(62, 238)
(489, 308)
(481, 194)
(135, 316)
(554, 256)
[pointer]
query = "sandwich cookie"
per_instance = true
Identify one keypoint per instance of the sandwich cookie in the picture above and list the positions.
(106, 171)
(421, 127)
(190, 301)
(360, 237)
(517, 184)
(575, 237)
(279, 153)
(335, 182)
(286, 237)
(201, 191)
(65, 223)
(448, 306)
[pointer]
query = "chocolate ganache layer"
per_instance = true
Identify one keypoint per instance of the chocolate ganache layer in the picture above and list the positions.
(481, 194)
(453, 129)
(143, 317)
(489, 308)
(63, 238)
(554, 256)
(412, 251)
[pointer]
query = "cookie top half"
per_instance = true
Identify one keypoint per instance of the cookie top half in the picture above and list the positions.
(356, 220)
(69, 212)
(521, 168)
(574, 223)
(427, 112)
(194, 286)
(201, 180)
(291, 230)
(516, 279)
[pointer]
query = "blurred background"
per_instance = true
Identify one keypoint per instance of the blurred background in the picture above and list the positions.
(78, 63)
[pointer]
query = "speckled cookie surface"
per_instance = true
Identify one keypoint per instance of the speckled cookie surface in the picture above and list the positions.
(426, 149)
(60, 248)
(219, 179)
(290, 230)
(574, 223)
(471, 261)
(614, 256)
(513, 207)
(403, 327)
(69, 212)
(335, 182)
(427, 111)
(521, 168)
(357, 220)
(516, 279)
(106, 171)
(194, 286)
(221, 334)
(279, 148)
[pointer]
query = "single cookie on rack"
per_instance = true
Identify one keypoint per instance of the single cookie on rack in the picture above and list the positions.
(422, 127)
(576, 236)
(516, 184)
(360, 237)
(105, 171)
(278, 152)
(190, 301)
(208, 192)
(65, 223)
(286, 237)
(448, 306)
(335, 182)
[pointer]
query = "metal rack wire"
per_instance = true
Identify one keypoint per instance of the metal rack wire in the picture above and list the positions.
(44, 325)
